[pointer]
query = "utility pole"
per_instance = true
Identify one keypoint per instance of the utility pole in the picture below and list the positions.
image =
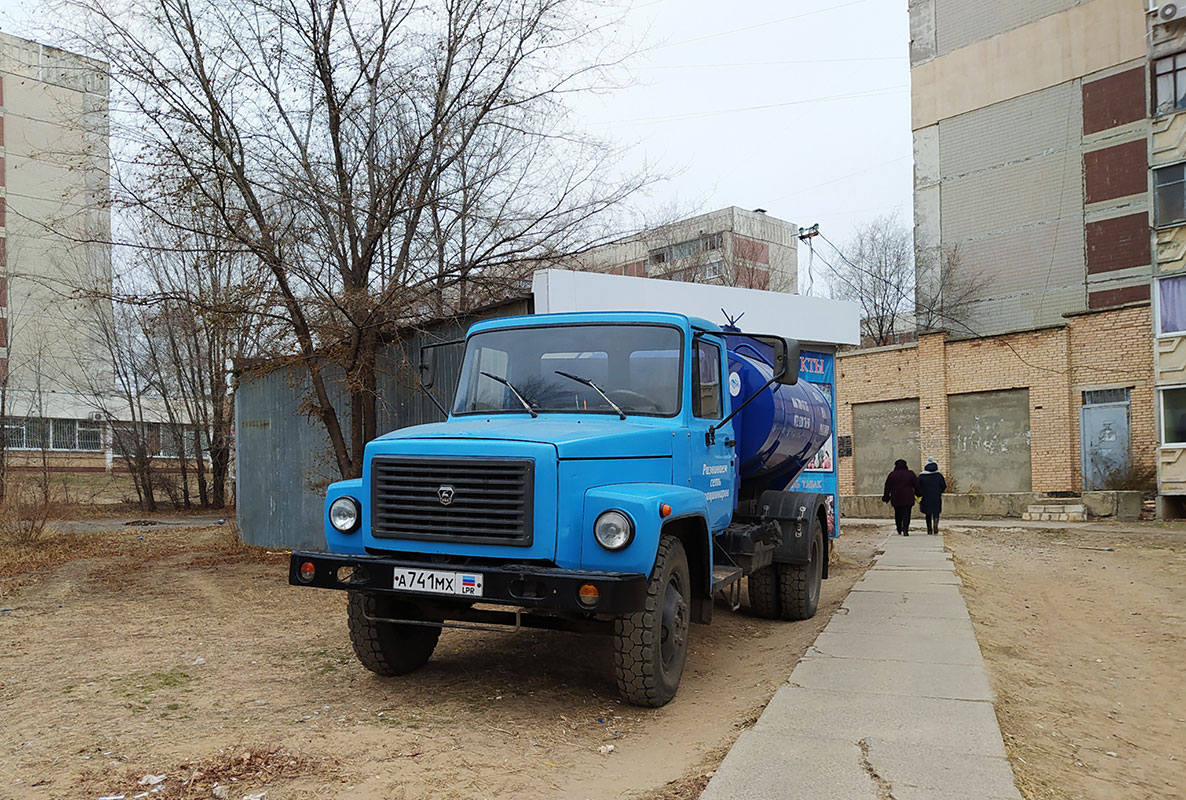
(806, 235)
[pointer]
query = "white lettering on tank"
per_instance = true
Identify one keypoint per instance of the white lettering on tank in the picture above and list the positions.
(721, 495)
(715, 469)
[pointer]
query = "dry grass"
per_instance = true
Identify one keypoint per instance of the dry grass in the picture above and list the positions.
(240, 769)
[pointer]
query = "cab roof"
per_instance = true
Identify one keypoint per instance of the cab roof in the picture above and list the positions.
(593, 317)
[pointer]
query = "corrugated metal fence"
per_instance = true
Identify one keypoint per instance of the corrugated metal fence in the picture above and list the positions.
(284, 460)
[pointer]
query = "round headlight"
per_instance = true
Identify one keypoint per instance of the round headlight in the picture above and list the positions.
(613, 530)
(343, 514)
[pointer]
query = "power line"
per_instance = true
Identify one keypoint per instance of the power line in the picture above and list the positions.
(706, 114)
(766, 24)
(859, 60)
(931, 309)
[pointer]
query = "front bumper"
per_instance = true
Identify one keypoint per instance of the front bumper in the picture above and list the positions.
(521, 585)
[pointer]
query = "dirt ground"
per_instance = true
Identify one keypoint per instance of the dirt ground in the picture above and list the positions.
(1086, 650)
(180, 653)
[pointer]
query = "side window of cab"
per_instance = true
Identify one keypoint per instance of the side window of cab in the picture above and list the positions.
(706, 380)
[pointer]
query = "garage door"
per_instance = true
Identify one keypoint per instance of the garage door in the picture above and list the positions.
(989, 441)
(881, 434)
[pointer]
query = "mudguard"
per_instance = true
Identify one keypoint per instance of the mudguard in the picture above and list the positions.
(641, 502)
(796, 513)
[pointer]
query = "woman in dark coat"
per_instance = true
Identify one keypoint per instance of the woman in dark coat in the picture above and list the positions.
(901, 486)
(932, 485)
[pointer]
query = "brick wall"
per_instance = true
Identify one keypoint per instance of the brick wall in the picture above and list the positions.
(1100, 349)
(1115, 100)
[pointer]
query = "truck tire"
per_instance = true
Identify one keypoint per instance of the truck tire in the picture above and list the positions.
(799, 585)
(650, 646)
(763, 592)
(386, 648)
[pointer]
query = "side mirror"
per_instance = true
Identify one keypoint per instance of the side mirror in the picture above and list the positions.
(786, 360)
(428, 366)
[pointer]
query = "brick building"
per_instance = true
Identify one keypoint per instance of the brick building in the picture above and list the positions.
(1000, 413)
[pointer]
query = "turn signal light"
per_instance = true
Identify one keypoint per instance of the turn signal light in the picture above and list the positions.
(665, 510)
(307, 571)
(588, 595)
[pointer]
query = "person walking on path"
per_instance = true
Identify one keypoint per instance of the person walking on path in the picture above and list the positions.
(901, 487)
(932, 485)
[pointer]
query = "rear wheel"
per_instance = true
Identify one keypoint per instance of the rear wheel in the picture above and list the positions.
(799, 585)
(763, 592)
(650, 646)
(389, 648)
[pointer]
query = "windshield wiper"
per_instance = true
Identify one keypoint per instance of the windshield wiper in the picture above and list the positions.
(595, 388)
(515, 392)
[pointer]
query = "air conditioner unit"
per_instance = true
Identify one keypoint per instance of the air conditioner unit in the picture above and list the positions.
(95, 416)
(1167, 13)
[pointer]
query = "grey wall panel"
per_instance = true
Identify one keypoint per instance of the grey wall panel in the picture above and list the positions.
(283, 461)
(882, 433)
(1044, 257)
(1019, 311)
(1012, 196)
(989, 441)
(959, 23)
(1040, 123)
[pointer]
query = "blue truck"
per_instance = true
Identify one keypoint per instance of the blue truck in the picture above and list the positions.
(598, 472)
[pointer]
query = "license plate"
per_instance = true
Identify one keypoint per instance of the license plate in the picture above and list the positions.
(426, 580)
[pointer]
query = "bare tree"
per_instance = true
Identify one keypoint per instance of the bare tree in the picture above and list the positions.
(902, 290)
(947, 290)
(877, 272)
(369, 157)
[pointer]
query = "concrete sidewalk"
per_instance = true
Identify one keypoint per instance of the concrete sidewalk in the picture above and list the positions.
(892, 701)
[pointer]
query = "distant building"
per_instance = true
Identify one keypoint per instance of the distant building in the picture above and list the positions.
(730, 247)
(54, 232)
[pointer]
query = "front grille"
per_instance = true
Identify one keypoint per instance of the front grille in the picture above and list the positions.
(490, 503)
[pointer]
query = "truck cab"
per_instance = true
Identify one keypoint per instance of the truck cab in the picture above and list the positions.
(588, 477)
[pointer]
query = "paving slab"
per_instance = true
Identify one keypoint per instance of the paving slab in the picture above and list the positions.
(900, 623)
(884, 580)
(837, 770)
(892, 699)
(947, 681)
(939, 773)
(962, 726)
(923, 648)
(914, 605)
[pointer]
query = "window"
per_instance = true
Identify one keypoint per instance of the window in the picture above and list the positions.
(90, 435)
(1171, 302)
(31, 433)
(1169, 84)
(706, 380)
(1169, 195)
(1096, 397)
(1173, 416)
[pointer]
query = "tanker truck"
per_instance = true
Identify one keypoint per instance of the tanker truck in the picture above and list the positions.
(597, 472)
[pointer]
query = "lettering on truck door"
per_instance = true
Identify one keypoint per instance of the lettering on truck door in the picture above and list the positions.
(712, 464)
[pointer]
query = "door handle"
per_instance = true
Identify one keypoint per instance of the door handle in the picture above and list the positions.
(730, 443)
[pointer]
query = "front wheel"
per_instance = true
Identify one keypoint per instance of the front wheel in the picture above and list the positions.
(388, 648)
(650, 646)
(799, 585)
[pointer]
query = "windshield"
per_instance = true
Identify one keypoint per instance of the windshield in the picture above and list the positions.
(635, 367)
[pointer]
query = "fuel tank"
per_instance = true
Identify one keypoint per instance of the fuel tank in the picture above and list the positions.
(781, 430)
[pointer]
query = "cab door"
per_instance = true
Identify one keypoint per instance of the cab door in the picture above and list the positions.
(712, 467)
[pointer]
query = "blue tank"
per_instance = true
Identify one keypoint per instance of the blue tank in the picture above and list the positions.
(781, 430)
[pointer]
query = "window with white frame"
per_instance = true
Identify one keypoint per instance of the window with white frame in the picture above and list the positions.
(31, 433)
(1173, 416)
(1169, 195)
(1171, 302)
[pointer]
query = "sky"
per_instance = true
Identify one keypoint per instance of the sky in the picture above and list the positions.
(801, 108)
